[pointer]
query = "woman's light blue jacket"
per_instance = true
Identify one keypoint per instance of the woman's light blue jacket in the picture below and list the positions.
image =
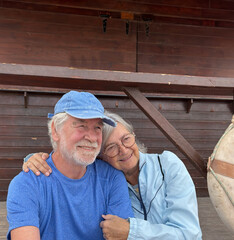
(168, 200)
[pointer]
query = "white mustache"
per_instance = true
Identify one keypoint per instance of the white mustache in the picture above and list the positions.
(84, 143)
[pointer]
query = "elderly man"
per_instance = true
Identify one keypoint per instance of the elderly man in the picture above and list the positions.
(70, 202)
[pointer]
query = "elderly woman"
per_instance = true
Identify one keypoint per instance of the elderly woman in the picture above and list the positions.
(161, 190)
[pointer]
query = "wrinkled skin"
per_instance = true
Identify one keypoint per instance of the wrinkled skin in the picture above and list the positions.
(114, 228)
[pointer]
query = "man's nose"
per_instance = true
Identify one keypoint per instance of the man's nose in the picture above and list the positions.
(91, 135)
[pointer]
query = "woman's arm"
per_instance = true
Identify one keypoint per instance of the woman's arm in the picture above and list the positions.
(174, 212)
(37, 163)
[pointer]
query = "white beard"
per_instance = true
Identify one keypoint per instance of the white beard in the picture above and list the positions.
(79, 156)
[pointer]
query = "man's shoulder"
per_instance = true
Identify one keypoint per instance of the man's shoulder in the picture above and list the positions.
(99, 161)
(29, 181)
(104, 169)
(24, 180)
(24, 176)
(100, 164)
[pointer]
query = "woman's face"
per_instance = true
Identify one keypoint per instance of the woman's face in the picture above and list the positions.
(128, 158)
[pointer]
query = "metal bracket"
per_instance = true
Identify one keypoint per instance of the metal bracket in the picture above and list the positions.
(127, 27)
(127, 16)
(25, 99)
(189, 105)
(147, 19)
(104, 20)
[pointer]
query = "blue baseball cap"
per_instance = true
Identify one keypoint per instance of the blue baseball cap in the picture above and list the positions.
(83, 105)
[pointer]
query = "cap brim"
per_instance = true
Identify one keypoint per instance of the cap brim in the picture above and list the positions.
(89, 115)
(50, 115)
(109, 121)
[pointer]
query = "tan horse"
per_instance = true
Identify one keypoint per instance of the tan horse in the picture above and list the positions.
(220, 177)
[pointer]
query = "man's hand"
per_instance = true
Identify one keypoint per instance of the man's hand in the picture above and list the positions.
(114, 228)
(37, 163)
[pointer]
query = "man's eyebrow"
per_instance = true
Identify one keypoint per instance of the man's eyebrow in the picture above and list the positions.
(80, 120)
(101, 123)
(76, 121)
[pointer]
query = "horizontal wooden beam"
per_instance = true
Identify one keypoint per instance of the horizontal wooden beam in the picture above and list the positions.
(189, 13)
(188, 97)
(73, 78)
(167, 129)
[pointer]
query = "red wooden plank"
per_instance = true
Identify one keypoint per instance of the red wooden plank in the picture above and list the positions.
(202, 192)
(222, 4)
(10, 163)
(185, 46)
(187, 70)
(21, 152)
(4, 184)
(202, 31)
(186, 61)
(22, 121)
(176, 13)
(186, 125)
(24, 141)
(9, 173)
(3, 195)
(190, 3)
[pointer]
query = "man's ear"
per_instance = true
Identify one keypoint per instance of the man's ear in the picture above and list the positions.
(54, 133)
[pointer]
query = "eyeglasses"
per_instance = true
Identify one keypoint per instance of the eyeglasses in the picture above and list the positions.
(113, 150)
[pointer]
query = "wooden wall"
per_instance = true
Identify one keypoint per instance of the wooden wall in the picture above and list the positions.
(185, 37)
(23, 130)
(43, 38)
(192, 37)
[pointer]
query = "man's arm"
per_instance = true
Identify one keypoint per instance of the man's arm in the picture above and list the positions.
(23, 207)
(119, 203)
(25, 233)
(119, 209)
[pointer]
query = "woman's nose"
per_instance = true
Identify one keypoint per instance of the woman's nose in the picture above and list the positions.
(122, 149)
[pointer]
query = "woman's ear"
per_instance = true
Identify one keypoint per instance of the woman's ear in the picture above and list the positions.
(54, 133)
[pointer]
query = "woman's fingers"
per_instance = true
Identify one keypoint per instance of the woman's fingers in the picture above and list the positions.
(32, 167)
(38, 164)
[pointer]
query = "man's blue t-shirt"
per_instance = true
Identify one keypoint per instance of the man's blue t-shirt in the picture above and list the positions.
(64, 208)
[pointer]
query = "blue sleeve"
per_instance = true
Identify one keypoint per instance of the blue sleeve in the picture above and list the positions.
(22, 203)
(180, 217)
(119, 202)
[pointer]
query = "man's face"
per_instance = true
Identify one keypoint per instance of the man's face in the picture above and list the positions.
(80, 140)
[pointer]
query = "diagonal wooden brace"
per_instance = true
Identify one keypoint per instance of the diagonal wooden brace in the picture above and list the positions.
(166, 128)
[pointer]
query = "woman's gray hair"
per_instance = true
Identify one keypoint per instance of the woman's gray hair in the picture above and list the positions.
(58, 120)
(107, 130)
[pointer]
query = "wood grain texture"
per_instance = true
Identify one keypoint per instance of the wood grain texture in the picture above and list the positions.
(23, 130)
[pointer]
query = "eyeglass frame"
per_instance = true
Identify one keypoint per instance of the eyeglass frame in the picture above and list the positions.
(118, 145)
